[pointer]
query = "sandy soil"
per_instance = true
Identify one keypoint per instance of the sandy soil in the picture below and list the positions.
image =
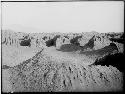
(68, 56)
(12, 56)
(6, 86)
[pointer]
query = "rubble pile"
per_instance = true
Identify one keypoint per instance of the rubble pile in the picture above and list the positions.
(42, 74)
(100, 42)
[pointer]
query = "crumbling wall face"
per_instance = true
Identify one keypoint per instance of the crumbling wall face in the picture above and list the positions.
(61, 41)
(14, 39)
(42, 43)
(83, 41)
(120, 47)
(10, 38)
(85, 38)
(66, 41)
(33, 43)
(100, 42)
(38, 40)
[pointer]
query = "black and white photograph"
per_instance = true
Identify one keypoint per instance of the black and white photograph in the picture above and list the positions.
(74, 46)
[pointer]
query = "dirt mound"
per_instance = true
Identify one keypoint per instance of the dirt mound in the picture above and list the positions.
(42, 73)
(12, 56)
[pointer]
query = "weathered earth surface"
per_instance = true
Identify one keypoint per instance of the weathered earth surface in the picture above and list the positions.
(12, 56)
(6, 85)
(36, 39)
(43, 73)
(41, 62)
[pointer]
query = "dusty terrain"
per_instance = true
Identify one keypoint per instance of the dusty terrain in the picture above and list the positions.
(12, 56)
(41, 62)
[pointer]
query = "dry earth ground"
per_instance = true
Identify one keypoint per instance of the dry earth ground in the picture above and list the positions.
(75, 58)
(13, 56)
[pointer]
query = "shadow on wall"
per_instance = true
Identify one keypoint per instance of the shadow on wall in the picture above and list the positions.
(119, 40)
(69, 48)
(52, 42)
(90, 44)
(75, 45)
(75, 40)
(25, 43)
(100, 52)
(116, 60)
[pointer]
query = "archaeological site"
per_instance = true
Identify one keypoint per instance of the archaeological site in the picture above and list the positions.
(62, 62)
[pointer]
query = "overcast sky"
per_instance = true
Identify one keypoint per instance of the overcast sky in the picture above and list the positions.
(63, 16)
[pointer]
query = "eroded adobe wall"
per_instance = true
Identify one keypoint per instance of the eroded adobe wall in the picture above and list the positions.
(91, 41)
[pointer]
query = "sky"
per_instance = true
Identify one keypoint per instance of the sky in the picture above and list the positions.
(103, 16)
